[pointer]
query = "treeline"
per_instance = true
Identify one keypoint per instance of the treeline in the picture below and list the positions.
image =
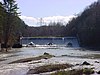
(87, 26)
(52, 30)
(11, 26)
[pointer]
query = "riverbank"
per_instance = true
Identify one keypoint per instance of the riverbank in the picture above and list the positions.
(33, 58)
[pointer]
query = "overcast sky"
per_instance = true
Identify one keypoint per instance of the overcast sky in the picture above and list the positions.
(50, 10)
(45, 8)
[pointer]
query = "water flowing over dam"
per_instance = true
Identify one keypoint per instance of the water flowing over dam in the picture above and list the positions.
(54, 40)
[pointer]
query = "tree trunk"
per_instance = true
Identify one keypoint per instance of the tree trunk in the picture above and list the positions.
(0, 46)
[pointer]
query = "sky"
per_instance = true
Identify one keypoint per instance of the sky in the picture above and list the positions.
(50, 10)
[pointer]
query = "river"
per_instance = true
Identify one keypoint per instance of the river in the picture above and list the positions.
(71, 55)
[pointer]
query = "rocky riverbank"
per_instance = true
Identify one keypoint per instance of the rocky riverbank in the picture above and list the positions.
(48, 64)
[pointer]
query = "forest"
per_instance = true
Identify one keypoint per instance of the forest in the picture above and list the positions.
(86, 26)
(11, 26)
(52, 30)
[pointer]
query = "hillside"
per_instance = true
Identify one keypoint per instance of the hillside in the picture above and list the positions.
(87, 26)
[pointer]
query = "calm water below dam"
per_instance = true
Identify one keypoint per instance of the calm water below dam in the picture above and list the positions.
(57, 52)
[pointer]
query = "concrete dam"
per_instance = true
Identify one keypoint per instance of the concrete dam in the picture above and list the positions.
(54, 40)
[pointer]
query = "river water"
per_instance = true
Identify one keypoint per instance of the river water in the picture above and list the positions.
(70, 55)
(60, 53)
(36, 51)
(55, 51)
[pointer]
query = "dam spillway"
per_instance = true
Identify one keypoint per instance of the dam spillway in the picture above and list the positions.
(54, 40)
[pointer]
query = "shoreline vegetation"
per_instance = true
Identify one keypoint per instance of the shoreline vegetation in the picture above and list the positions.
(85, 71)
(49, 68)
(44, 56)
(89, 56)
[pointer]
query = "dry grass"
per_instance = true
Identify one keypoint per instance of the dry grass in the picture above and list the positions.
(45, 56)
(92, 56)
(85, 71)
(48, 68)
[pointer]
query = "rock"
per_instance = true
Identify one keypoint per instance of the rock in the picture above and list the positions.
(98, 72)
(50, 43)
(77, 64)
(46, 53)
(85, 63)
(96, 61)
(69, 44)
(46, 58)
(64, 55)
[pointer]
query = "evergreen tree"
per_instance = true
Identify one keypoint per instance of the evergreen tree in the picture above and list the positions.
(10, 7)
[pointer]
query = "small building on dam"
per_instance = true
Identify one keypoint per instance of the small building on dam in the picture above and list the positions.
(73, 41)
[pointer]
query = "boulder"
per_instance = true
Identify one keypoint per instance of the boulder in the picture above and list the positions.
(46, 53)
(85, 63)
(98, 72)
(96, 61)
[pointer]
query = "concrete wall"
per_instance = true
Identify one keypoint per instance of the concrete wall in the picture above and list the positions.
(57, 41)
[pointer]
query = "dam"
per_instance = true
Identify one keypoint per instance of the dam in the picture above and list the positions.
(54, 40)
